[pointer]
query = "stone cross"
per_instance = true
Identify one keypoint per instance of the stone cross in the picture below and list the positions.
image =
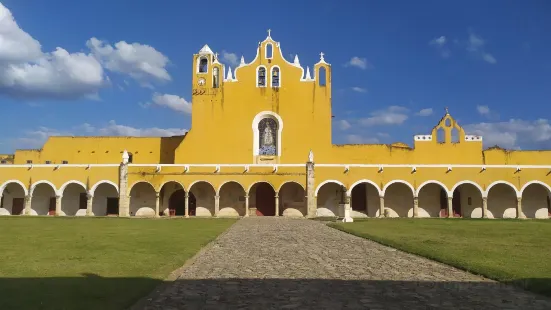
(269, 32)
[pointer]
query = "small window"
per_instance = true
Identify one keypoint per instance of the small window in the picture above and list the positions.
(455, 135)
(48, 162)
(215, 77)
(261, 77)
(64, 162)
(322, 76)
(203, 65)
(130, 157)
(275, 77)
(448, 122)
(440, 135)
(29, 162)
(3, 162)
(269, 51)
(469, 201)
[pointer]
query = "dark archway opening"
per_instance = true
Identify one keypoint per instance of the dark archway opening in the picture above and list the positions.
(456, 203)
(359, 197)
(177, 203)
(265, 200)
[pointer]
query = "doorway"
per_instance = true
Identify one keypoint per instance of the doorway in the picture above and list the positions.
(51, 207)
(17, 206)
(265, 200)
(112, 206)
(177, 203)
(456, 203)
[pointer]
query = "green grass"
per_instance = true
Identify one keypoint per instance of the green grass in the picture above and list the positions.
(511, 251)
(93, 263)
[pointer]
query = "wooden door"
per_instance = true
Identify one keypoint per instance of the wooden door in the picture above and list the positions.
(51, 209)
(17, 206)
(265, 200)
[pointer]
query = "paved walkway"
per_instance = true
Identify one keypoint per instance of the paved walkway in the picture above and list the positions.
(276, 263)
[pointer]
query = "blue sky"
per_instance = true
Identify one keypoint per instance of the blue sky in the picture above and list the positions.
(124, 67)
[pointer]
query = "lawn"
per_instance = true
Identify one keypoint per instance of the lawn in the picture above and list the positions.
(511, 251)
(93, 263)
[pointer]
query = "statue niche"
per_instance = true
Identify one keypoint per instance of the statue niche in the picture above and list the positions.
(267, 129)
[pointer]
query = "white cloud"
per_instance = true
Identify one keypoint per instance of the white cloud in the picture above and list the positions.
(230, 58)
(173, 102)
(489, 58)
(425, 112)
(483, 109)
(114, 129)
(359, 89)
(15, 44)
(357, 139)
(141, 62)
(440, 41)
(513, 134)
(357, 62)
(475, 45)
(344, 124)
(393, 115)
(440, 44)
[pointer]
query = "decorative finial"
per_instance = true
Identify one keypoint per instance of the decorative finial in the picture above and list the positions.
(311, 156)
(269, 32)
(447, 112)
(308, 77)
(321, 56)
(216, 55)
(125, 157)
(242, 61)
(229, 77)
(296, 62)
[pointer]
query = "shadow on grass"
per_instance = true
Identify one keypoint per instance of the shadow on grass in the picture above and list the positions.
(82, 293)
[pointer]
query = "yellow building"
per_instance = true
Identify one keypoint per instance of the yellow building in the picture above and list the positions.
(271, 120)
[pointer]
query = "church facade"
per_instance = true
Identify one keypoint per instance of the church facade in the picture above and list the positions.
(273, 156)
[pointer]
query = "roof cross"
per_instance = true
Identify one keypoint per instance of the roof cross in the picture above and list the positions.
(447, 111)
(269, 32)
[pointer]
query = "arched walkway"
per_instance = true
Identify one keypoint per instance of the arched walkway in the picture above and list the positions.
(535, 201)
(13, 199)
(172, 199)
(502, 201)
(204, 194)
(142, 200)
(43, 201)
(398, 200)
(433, 201)
(262, 199)
(467, 199)
(232, 199)
(106, 200)
(292, 201)
(74, 200)
(364, 200)
(330, 196)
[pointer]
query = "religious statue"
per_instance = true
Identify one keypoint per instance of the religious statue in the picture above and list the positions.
(268, 140)
(268, 137)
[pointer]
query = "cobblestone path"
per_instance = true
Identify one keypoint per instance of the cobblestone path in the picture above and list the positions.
(277, 263)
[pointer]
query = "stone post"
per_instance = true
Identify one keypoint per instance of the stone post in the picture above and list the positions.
(89, 204)
(381, 206)
(246, 205)
(520, 214)
(311, 203)
(485, 207)
(415, 207)
(27, 209)
(216, 205)
(157, 203)
(124, 197)
(347, 210)
(450, 207)
(186, 214)
(276, 204)
(58, 199)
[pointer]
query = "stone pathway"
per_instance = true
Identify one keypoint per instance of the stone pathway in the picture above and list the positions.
(277, 263)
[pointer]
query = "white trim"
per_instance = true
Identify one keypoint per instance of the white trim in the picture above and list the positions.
(166, 182)
(5, 185)
(33, 187)
(266, 50)
(64, 186)
(450, 194)
(535, 182)
(199, 63)
(141, 181)
(260, 116)
(325, 182)
(349, 192)
(271, 76)
(281, 186)
(58, 165)
(251, 186)
(468, 182)
(266, 79)
(199, 181)
(398, 181)
(93, 189)
(502, 182)
(226, 182)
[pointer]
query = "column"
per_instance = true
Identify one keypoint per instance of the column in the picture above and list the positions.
(347, 211)
(276, 204)
(58, 199)
(157, 203)
(246, 205)
(28, 209)
(216, 205)
(124, 197)
(187, 205)
(89, 204)
(485, 207)
(381, 206)
(450, 206)
(520, 214)
(415, 207)
(311, 201)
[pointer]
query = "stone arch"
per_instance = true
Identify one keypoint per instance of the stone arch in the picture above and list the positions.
(468, 195)
(330, 194)
(482, 192)
(502, 199)
(43, 198)
(204, 193)
(349, 192)
(105, 201)
(171, 181)
(364, 198)
(432, 197)
(448, 192)
(275, 76)
(73, 198)
(232, 199)
(262, 198)
(142, 199)
(42, 182)
(256, 134)
(398, 199)
(536, 199)
(172, 195)
(138, 182)
(62, 188)
(95, 186)
(292, 199)
(255, 183)
(12, 198)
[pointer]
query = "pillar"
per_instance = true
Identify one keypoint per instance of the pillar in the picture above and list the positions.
(124, 197)
(311, 202)
(58, 199)
(450, 206)
(381, 206)
(27, 210)
(415, 207)
(216, 205)
(246, 205)
(276, 204)
(157, 203)
(347, 210)
(485, 207)
(186, 214)
(520, 214)
(89, 204)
